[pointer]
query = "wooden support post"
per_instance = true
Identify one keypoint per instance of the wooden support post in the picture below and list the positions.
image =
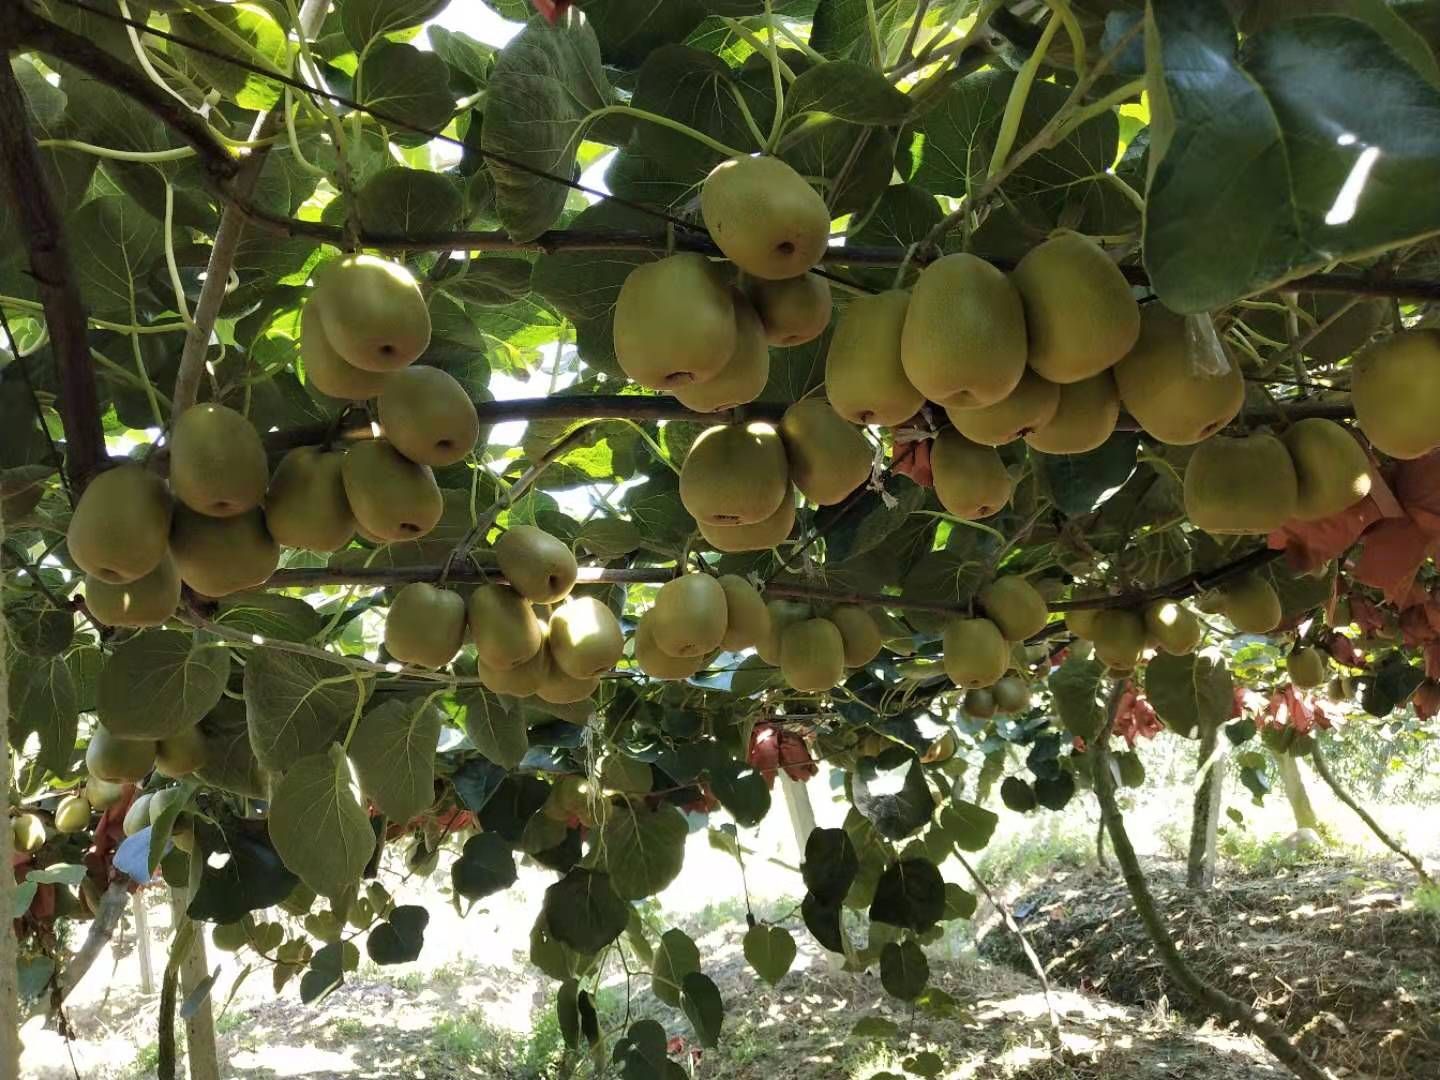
(203, 1059)
(802, 814)
(142, 942)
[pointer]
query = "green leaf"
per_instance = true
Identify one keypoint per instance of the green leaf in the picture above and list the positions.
(497, 733)
(24, 896)
(872, 853)
(470, 61)
(842, 27)
(38, 627)
(365, 20)
(1396, 679)
(854, 160)
(770, 951)
(1389, 23)
(699, 90)
(904, 971)
(174, 801)
(796, 371)
(113, 244)
(485, 866)
(952, 144)
(399, 939)
(1190, 693)
(251, 879)
(822, 919)
(904, 214)
(926, 1064)
(630, 30)
(270, 616)
(296, 705)
(675, 958)
(493, 281)
(161, 682)
(394, 754)
(867, 522)
(1080, 482)
(229, 758)
(1278, 159)
(516, 800)
(830, 864)
(1076, 688)
(609, 538)
(582, 911)
(405, 86)
(1054, 792)
(959, 904)
(318, 824)
(266, 47)
(892, 796)
(409, 202)
(325, 973)
(849, 91)
(544, 83)
(58, 874)
(874, 1027)
(742, 791)
(703, 1007)
(43, 702)
(910, 895)
(642, 849)
(567, 1012)
(967, 825)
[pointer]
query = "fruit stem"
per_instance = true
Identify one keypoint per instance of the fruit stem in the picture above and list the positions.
(739, 29)
(1019, 95)
(654, 118)
(777, 123)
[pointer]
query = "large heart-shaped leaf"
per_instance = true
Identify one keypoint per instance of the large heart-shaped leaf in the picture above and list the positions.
(1190, 692)
(394, 754)
(642, 849)
(544, 83)
(1280, 157)
(319, 825)
(582, 911)
(161, 682)
(295, 704)
(770, 951)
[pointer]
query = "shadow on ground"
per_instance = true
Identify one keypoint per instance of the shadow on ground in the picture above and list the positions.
(1331, 949)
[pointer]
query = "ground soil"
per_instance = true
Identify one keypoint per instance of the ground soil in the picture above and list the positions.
(1332, 949)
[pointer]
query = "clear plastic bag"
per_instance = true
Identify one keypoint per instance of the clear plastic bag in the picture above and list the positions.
(1203, 347)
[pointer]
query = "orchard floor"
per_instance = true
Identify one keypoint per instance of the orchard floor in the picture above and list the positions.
(473, 1007)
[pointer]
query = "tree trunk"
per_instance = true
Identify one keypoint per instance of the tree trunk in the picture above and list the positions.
(1212, 999)
(1289, 768)
(1205, 817)
(9, 953)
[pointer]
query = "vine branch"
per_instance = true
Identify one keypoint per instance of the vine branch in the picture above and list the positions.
(1212, 999)
(356, 424)
(28, 189)
(1014, 927)
(382, 576)
(102, 929)
(1317, 758)
(227, 239)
